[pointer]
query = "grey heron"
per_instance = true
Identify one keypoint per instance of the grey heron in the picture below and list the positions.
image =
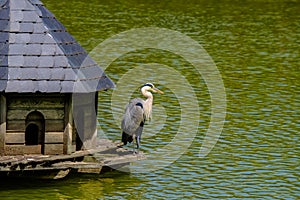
(136, 113)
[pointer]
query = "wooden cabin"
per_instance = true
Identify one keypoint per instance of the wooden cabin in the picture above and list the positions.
(48, 84)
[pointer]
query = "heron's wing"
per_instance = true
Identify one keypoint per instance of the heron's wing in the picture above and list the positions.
(133, 116)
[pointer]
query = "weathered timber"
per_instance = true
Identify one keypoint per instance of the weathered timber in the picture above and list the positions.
(17, 149)
(106, 156)
(69, 132)
(2, 123)
(16, 102)
(54, 149)
(52, 114)
(54, 137)
(15, 138)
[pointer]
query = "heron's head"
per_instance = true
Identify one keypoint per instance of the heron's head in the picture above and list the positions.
(150, 87)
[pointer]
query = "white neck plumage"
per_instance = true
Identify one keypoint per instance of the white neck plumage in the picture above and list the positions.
(148, 103)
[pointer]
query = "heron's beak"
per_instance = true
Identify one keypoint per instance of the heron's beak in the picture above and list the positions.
(157, 90)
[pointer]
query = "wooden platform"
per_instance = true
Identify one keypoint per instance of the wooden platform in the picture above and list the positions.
(107, 156)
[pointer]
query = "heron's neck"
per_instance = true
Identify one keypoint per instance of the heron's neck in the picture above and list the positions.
(149, 97)
(148, 104)
(147, 94)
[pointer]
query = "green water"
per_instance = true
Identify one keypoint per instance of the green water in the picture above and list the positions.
(254, 44)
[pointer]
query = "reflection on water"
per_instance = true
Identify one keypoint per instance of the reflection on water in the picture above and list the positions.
(255, 45)
(75, 187)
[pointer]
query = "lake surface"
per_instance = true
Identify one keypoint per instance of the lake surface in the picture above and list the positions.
(255, 47)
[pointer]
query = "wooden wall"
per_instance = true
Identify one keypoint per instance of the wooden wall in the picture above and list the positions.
(70, 122)
(52, 106)
(19, 106)
(85, 118)
(2, 123)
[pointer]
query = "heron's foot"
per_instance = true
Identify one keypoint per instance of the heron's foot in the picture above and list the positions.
(120, 144)
(135, 151)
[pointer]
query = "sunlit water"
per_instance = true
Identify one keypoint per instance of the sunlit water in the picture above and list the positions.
(255, 45)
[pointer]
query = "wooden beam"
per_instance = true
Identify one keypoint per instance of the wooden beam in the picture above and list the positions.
(49, 114)
(54, 125)
(21, 149)
(34, 102)
(2, 124)
(15, 125)
(68, 132)
(54, 137)
(32, 149)
(53, 149)
(14, 149)
(15, 138)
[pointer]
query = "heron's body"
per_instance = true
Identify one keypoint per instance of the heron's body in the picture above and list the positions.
(136, 113)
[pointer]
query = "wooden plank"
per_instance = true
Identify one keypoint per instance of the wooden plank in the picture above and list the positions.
(54, 125)
(111, 161)
(54, 137)
(2, 123)
(107, 156)
(50, 125)
(53, 149)
(14, 149)
(33, 101)
(54, 158)
(22, 113)
(83, 167)
(32, 149)
(16, 125)
(15, 138)
(17, 114)
(62, 174)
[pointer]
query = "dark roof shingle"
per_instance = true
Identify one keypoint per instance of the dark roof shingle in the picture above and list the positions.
(37, 54)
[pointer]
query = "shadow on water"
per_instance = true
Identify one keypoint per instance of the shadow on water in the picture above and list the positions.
(75, 186)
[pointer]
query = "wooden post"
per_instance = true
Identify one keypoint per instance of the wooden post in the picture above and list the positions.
(90, 122)
(2, 124)
(68, 132)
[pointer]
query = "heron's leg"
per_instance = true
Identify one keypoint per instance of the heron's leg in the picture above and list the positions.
(124, 138)
(136, 150)
(138, 142)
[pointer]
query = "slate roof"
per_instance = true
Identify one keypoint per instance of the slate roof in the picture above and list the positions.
(37, 54)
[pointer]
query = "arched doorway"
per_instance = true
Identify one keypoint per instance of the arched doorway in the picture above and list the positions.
(35, 129)
(32, 134)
